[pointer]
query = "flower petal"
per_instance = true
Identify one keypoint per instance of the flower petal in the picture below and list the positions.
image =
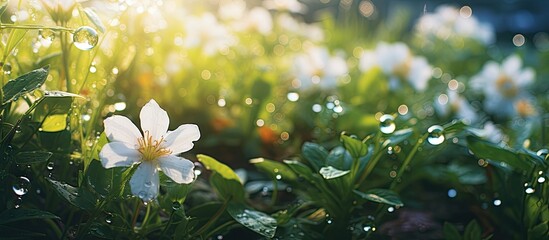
(121, 129)
(180, 170)
(154, 119)
(118, 154)
(145, 181)
(181, 139)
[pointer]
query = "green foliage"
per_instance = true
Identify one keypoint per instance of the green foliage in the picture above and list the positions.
(25, 83)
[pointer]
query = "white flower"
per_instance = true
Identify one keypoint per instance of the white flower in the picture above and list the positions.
(447, 22)
(258, 19)
(397, 62)
(285, 5)
(206, 32)
(503, 85)
(316, 66)
(453, 103)
(155, 150)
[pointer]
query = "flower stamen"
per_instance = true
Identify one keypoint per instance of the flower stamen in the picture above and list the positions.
(151, 149)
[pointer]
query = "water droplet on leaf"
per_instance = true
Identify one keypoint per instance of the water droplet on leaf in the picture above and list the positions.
(387, 124)
(436, 135)
(85, 38)
(21, 187)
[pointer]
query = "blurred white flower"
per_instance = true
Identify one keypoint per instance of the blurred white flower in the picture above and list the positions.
(155, 150)
(258, 19)
(231, 9)
(503, 85)
(453, 103)
(289, 24)
(447, 22)
(317, 67)
(397, 62)
(205, 32)
(490, 132)
(285, 5)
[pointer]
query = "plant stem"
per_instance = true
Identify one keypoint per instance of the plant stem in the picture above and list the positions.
(136, 213)
(408, 159)
(167, 225)
(213, 219)
(217, 229)
(275, 191)
(35, 27)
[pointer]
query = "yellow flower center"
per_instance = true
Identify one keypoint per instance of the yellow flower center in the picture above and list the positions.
(506, 86)
(151, 149)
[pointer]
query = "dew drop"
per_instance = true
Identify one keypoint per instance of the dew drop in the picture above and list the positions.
(497, 202)
(390, 209)
(50, 166)
(387, 124)
(148, 184)
(542, 152)
(108, 218)
(198, 168)
(278, 177)
(7, 68)
(436, 135)
(85, 38)
(176, 205)
(46, 35)
(529, 190)
(21, 187)
(541, 179)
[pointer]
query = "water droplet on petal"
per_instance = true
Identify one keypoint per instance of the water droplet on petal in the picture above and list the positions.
(436, 135)
(21, 186)
(148, 184)
(198, 168)
(387, 124)
(85, 38)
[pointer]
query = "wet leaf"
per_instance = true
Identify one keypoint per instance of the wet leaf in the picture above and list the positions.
(15, 215)
(331, 172)
(224, 179)
(385, 196)
(315, 154)
(256, 221)
(355, 147)
(398, 137)
(77, 197)
(472, 231)
(451, 232)
(488, 150)
(32, 157)
(23, 84)
(274, 169)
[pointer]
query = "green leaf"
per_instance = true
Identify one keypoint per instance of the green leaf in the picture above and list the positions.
(397, 137)
(15, 215)
(315, 154)
(54, 103)
(54, 123)
(488, 150)
(224, 179)
(539, 232)
(23, 84)
(90, 13)
(451, 232)
(472, 231)
(32, 157)
(331, 172)
(385, 196)
(274, 168)
(8, 233)
(355, 147)
(256, 221)
(77, 197)
(302, 170)
(454, 127)
(339, 158)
